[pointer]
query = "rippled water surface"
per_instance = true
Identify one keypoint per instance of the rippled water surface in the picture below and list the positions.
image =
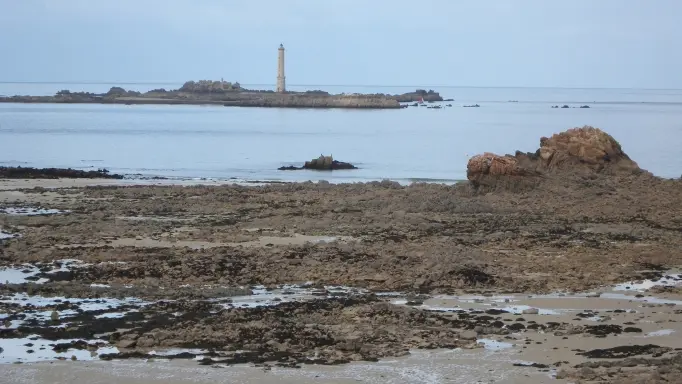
(405, 145)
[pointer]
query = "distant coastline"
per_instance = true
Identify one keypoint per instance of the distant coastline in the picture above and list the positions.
(207, 92)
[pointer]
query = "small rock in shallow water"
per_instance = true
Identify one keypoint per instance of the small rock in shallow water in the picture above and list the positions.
(530, 311)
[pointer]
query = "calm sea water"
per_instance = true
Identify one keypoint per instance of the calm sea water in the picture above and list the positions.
(404, 145)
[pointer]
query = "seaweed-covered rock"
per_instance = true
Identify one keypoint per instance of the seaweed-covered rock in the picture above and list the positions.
(327, 163)
(624, 351)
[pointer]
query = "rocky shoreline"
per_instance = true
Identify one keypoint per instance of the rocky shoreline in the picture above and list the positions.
(238, 100)
(54, 173)
(230, 95)
(564, 262)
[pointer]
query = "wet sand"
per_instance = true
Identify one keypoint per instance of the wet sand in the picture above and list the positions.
(456, 367)
(654, 323)
(15, 184)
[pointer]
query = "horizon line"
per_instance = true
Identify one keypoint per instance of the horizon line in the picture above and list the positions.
(330, 85)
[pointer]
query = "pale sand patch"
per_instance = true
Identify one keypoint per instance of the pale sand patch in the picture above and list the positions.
(154, 218)
(263, 241)
(659, 323)
(9, 184)
(12, 184)
(555, 348)
(43, 198)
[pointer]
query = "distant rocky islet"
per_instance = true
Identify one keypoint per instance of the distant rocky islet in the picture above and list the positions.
(232, 95)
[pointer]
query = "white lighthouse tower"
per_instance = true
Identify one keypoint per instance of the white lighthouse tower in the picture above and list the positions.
(281, 84)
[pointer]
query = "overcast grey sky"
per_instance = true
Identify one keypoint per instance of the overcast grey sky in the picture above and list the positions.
(575, 43)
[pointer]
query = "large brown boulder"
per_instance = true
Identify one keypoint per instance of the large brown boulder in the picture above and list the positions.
(491, 164)
(498, 171)
(575, 151)
(586, 146)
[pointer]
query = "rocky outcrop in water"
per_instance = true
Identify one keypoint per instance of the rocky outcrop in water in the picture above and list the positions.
(418, 95)
(206, 92)
(575, 151)
(322, 163)
(54, 173)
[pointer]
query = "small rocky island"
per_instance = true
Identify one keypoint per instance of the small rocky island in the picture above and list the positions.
(208, 92)
(419, 95)
(55, 173)
(322, 163)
